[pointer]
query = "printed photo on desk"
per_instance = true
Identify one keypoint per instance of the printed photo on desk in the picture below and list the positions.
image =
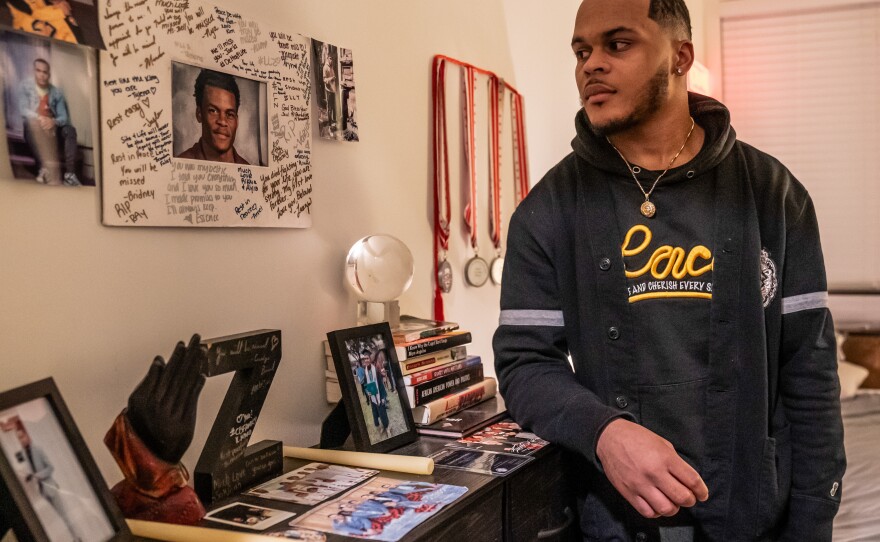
(372, 387)
(480, 461)
(51, 105)
(381, 509)
(71, 21)
(248, 516)
(505, 437)
(206, 119)
(312, 484)
(51, 487)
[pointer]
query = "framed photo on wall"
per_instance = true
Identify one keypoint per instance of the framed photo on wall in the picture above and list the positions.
(51, 487)
(372, 387)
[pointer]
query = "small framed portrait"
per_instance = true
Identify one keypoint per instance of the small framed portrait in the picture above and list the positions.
(51, 104)
(372, 387)
(51, 487)
(218, 116)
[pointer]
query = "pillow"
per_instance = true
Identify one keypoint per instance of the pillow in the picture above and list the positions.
(851, 377)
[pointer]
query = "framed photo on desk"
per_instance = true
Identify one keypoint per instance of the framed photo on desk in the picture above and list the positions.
(372, 387)
(51, 487)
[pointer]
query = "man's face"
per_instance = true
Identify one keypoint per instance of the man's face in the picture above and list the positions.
(623, 63)
(41, 74)
(219, 118)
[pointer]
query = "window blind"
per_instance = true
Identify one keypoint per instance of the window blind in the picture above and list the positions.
(804, 86)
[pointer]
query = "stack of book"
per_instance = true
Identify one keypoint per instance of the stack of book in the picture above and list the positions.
(440, 377)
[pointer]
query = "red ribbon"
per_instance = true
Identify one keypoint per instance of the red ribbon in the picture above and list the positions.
(442, 214)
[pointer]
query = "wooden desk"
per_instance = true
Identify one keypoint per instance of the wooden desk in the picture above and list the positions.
(527, 505)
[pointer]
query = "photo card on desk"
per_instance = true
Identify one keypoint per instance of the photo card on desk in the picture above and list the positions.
(51, 487)
(372, 387)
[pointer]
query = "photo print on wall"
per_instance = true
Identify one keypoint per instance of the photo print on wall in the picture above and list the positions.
(335, 91)
(206, 119)
(73, 21)
(51, 105)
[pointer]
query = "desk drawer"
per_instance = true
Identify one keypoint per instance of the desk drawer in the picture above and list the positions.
(481, 521)
(537, 505)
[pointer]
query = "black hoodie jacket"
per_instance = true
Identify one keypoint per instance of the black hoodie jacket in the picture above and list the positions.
(772, 445)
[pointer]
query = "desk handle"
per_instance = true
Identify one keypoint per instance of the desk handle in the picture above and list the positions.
(550, 533)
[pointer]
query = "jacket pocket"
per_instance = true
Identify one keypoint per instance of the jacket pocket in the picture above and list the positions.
(677, 413)
(774, 484)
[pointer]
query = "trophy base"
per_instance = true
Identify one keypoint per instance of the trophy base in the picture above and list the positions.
(368, 313)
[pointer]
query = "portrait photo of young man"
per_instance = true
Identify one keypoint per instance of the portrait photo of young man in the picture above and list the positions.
(217, 116)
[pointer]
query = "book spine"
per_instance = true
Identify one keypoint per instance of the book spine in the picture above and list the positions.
(441, 371)
(423, 334)
(428, 391)
(444, 406)
(426, 346)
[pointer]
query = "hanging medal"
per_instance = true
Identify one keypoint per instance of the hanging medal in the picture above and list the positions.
(476, 271)
(442, 212)
(496, 104)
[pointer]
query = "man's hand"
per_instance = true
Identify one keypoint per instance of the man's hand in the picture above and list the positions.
(46, 123)
(647, 471)
(162, 409)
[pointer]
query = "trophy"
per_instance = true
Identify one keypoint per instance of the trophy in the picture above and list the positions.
(379, 269)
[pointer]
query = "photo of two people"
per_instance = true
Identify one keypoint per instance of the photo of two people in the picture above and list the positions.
(371, 364)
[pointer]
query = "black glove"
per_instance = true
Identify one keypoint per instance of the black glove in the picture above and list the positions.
(162, 409)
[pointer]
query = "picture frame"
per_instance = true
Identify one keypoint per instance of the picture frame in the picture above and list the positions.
(373, 392)
(51, 486)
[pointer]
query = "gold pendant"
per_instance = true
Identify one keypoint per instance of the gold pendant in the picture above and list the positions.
(648, 209)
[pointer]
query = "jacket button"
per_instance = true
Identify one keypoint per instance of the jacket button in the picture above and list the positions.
(690, 174)
(605, 264)
(613, 333)
(641, 537)
(621, 401)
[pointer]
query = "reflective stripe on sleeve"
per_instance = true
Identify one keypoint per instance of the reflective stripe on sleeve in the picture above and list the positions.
(804, 302)
(531, 318)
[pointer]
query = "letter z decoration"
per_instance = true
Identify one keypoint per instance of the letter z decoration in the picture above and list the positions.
(227, 463)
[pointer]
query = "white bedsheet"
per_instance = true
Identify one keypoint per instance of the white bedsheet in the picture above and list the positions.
(859, 516)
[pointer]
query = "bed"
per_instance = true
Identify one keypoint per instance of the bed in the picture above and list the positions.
(859, 517)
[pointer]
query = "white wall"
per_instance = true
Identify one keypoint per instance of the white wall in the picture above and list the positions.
(91, 305)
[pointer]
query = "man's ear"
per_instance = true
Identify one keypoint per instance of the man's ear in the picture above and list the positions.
(199, 114)
(684, 57)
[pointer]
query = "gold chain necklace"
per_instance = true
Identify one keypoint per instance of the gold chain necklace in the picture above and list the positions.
(648, 208)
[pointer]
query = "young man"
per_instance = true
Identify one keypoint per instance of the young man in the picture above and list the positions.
(217, 101)
(41, 471)
(681, 271)
(47, 128)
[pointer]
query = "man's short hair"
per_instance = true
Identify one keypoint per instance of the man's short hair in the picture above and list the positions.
(672, 15)
(42, 61)
(216, 79)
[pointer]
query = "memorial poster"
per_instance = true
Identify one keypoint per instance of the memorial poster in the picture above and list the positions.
(205, 118)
